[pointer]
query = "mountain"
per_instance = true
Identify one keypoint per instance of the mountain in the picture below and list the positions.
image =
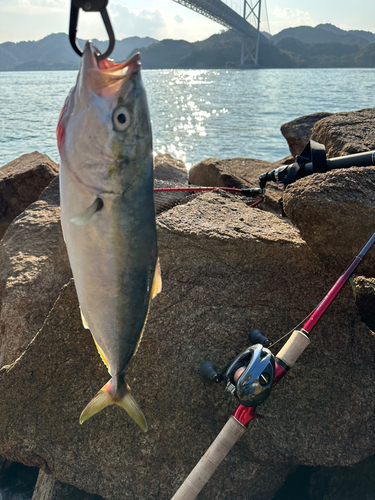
(324, 46)
(326, 33)
(55, 52)
(218, 51)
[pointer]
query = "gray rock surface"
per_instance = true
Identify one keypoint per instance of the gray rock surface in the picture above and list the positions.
(226, 269)
(21, 183)
(298, 131)
(346, 133)
(33, 268)
(49, 488)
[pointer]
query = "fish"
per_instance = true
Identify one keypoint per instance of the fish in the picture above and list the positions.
(104, 138)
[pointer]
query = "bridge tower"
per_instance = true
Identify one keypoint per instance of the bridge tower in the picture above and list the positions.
(250, 46)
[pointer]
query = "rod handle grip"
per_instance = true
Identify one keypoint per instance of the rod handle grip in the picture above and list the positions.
(293, 349)
(200, 475)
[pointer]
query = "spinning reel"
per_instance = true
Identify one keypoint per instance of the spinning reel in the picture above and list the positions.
(250, 377)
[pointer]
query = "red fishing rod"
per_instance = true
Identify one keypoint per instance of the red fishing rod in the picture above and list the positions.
(251, 377)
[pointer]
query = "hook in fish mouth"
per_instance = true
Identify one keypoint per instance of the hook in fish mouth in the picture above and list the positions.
(132, 65)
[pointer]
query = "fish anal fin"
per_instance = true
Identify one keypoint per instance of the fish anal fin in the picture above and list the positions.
(102, 355)
(156, 283)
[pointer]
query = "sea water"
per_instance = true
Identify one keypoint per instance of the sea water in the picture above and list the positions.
(196, 114)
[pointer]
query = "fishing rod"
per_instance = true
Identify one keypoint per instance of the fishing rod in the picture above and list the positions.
(312, 160)
(251, 377)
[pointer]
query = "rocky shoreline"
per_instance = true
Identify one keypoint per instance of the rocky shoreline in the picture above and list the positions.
(226, 268)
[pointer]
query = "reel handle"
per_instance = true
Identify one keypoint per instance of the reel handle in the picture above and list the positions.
(256, 336)
(208, 371)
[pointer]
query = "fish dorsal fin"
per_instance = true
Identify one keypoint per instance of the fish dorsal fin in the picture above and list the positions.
(83, 218)
(85, 325)
(156, 283)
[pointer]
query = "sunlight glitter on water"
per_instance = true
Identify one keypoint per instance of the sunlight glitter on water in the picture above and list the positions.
(196, 114)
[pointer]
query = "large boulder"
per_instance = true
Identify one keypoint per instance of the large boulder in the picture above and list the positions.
(238, 173)
(34, 267)
(167, 168)
(297, 132)
(226, 269)
(21, 183)
(335, 213)
(346, 133)
(49, 488)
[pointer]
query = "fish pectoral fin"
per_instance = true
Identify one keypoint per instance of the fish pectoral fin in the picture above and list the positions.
(83, 218)
(106, 397)
(131, 406)
(156, 283)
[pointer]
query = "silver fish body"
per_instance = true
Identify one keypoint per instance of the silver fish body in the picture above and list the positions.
(108, 215)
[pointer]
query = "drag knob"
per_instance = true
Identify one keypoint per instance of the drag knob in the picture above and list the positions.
(207, 370)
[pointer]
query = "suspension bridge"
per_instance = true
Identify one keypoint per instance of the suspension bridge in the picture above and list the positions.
(219, 11)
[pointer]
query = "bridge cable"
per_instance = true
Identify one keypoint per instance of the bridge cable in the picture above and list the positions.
(268, 21)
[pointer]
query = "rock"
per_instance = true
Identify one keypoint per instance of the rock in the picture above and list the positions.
(226, 269)
(330, 483)
(21, 183)
(17, 482)
(49, 488)
(346, 133)
(365, 299)
(34, 267)
(298, 131)
(344, 483)
(335, 213)
(167, 168)
(237, 173)
(165, 200)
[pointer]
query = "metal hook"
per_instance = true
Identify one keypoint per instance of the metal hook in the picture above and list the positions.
(90, 6)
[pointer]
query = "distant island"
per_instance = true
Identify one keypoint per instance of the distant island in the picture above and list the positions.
(324, 46)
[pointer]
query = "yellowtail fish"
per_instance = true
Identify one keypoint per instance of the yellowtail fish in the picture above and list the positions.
(108, 216)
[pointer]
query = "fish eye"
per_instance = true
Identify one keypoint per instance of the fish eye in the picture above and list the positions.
(121, 119)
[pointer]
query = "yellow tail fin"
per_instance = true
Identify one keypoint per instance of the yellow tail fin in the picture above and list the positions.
(105, 397)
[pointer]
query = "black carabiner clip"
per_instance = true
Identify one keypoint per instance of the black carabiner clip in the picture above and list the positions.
(90, 6)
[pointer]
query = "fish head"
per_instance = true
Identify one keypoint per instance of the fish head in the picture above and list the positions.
(104, 131)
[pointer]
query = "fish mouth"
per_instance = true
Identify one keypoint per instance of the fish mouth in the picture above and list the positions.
(106, 77)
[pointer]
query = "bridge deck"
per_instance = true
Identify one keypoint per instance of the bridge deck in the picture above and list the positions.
(220, 12)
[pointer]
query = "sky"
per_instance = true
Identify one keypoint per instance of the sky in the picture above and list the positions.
(22, 20)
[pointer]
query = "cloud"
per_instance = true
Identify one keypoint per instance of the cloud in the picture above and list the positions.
(128, 22)
(34, 6)
(287, 18)
(295, 16)
(178, 19)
